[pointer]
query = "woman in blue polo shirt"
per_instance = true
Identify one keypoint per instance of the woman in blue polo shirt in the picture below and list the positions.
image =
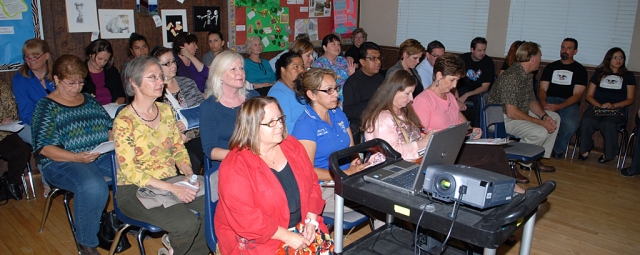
(323, 128)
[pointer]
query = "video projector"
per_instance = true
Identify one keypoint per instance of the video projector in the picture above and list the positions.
(484, 189)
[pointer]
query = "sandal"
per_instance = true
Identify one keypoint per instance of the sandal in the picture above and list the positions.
(163, 251)
(167, 245)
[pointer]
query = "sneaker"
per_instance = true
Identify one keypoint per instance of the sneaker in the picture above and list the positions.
(557, 155)
(16, 191)
(85, 250)
(628, 172)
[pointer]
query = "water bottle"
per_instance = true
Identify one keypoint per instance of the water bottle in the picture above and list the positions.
(193, 180)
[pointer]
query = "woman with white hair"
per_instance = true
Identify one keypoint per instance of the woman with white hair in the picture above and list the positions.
(259, 71)
(224, 93)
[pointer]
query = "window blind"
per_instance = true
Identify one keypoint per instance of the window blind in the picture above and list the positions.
(597, 25)
(454, 23)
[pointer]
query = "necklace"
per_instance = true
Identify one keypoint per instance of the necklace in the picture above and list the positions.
(151, 120)
(273, 160)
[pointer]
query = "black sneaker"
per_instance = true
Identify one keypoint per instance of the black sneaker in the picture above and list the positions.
(16, 191)
(628, 172)
(557, 155)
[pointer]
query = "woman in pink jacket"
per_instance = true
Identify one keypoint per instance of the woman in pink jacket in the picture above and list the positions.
(267, 185)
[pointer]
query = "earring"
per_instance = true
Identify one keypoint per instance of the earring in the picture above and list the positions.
(437, 83)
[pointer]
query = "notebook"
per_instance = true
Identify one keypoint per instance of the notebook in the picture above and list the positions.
(407, 177)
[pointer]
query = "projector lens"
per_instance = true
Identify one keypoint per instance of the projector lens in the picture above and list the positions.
(445, 184)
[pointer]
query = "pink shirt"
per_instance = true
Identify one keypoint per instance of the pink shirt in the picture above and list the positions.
(435, 112)
(103, 95)
(386, 129)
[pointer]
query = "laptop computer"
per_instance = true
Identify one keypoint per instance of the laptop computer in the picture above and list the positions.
(407, 177)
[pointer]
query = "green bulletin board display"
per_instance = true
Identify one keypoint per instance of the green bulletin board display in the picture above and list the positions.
(271, 26)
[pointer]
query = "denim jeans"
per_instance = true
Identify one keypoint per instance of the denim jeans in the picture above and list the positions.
(91, 193)
(570, 117)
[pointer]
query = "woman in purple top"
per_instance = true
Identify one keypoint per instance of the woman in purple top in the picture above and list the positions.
(103, 80)
(185, 46)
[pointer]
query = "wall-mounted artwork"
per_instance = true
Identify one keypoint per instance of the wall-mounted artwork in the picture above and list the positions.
(206, 18)
(116, 24)
(147, 7)
(319, 8)
(82, 16)
(175, 21)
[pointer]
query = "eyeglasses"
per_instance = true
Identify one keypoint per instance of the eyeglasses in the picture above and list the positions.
(31, 57)
(273, 123)
(373, 59)
(154, 78)
(330, 91)
(75, 83)
(169, 63)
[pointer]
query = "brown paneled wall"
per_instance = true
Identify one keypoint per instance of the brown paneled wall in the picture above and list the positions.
(61, 41)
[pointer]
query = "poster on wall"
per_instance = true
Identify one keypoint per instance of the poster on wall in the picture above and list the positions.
(345, 16)
(307, 26)
(116, 24)
(147, 7)
(19, 21)
(319, 8)
(206, 18)
(271, 27)
(174, 21)
(272, 5)
(82, 16)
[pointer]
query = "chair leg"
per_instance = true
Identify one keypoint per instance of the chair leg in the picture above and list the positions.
(67, 198)
(629, 148)
(30, 174)
(24, 186)
(47, 207)
(535, 167)
(116, 239)
(576, 143)
(622, 148)
(140, 238)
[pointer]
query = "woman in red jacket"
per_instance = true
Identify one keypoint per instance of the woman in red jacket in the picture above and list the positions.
(267, 185)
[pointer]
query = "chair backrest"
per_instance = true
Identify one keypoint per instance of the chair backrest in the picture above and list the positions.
(211, 201)
(492, 122)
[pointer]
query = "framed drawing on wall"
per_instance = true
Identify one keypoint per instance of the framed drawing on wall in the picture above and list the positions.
(206, 18)
(82, 16)
(174, 21)
(116, 24)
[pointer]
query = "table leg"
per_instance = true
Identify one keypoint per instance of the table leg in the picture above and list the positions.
(489, 251)
(527, 235)
(337, 224)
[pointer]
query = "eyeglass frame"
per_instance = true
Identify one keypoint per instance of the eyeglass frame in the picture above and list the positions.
(77, 83)
(32, 58)
(273, 123)
(155, 78)
(330, 91)
(373, 59)
(169, 63)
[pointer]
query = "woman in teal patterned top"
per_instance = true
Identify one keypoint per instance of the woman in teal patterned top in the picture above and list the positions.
(67, 125)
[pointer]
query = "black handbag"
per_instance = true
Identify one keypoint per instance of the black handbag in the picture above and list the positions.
(5, 193)
(109, 226)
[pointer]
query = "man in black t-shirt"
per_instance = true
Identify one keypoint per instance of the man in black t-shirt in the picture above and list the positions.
(562, 85)
(361, 85)
(480, 74)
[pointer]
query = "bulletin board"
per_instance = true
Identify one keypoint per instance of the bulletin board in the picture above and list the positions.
(240, 22)
(19, 21)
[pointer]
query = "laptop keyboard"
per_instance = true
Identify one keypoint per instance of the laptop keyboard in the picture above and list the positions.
(404, 180)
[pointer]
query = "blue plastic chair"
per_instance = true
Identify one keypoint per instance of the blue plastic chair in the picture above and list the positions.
(492, 116)
(209, 204)
(347, 225)
(128, 222)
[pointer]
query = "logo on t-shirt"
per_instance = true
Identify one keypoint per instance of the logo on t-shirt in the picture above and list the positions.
(322, 131)
(562, 77)
(611, 82)
(341, 125)
(473, 75)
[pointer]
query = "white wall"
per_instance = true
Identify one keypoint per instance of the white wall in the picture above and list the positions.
(380, 19)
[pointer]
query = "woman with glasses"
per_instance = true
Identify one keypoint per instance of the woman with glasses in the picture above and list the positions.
(411, 50)
(62, 146)
(103, 80)
(611, 90)
(32, 82)
(259, 72)
(185, 46)
(226, 91)
(181, 92)
(149, 148)
(289, 67)
(332, 60)
(323, 128)
(358, 36)
(266, 178)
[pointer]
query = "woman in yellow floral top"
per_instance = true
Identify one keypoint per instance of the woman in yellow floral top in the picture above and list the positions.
(148, 149)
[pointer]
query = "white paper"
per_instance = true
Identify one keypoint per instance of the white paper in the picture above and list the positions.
(265, 42)
(488, 141)
(103, 147)
(112, 108)
(240, 28)
(251, 14)
(304, 9)
(6, 31)
(13, 7)
(94, 35)
(268, 30)
(157, 20)
(13, 126)
(181, 1)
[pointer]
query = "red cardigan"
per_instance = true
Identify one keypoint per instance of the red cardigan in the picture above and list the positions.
(252, 203)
